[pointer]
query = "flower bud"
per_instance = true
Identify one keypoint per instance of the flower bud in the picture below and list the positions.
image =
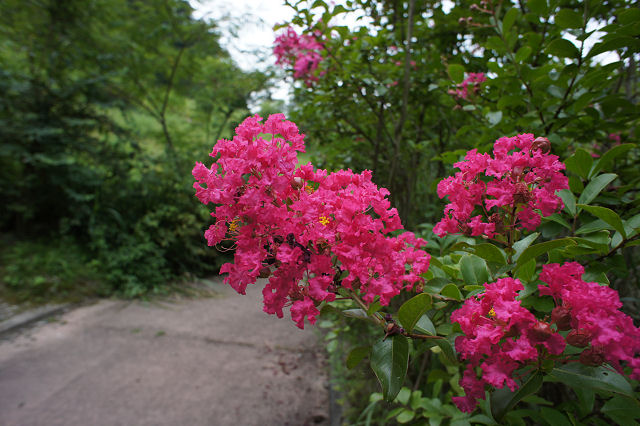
(297, 182)
(522, 194)
(542, 144)
(561, 316)
(265, 272)
(592, 356)
(579, 338)
(541, 331)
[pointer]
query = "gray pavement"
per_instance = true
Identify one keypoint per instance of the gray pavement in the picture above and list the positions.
(214, 361)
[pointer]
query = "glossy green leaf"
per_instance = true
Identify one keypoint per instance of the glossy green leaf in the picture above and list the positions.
(447, 350)
(608, 157)
(504, 400)
(569, 201)
(536, 250)
(520, 246)
(558, 219)
(389, 361)
(606, 215)
(490, 253)
(456, 73)
(567, 18)
(474, 270)
(554, 417)
(425, 326)
(357, 355)
(451, 291)
(595, 186)
(526, 271)
(594, 226)
(623, 411)
(580, 163)
(598, 378)
(562, 48)
(414, 308)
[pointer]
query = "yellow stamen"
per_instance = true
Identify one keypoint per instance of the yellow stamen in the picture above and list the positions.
(234, 225)
(324, 220)
(491, 313)
(309, 189)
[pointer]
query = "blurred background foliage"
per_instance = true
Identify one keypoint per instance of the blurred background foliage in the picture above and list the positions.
(104, 104)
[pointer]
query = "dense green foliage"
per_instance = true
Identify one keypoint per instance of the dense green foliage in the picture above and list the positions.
(102, 103)
(385, 101)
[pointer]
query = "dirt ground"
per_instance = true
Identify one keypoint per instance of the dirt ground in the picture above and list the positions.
(207, 361)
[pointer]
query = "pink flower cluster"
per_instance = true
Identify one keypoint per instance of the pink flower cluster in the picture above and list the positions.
(494, 194)
(501, 336)
(302, 52)
(472, 82)
(591, 312)
(309, 231)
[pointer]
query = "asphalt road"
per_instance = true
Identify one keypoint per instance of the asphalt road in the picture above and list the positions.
(214, 361)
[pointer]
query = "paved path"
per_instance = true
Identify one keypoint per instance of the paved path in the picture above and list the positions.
(215, 361)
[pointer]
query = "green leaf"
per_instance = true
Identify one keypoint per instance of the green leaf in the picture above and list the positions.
(538, 249)
(405, 416)
(451, 291)
(538, 7)
(629, 16)
(523, 53)
(580, 163)
(598, 378)
(509, 19)
(525, 272)
(447, 350)
(357, 355)
(622, 410)
(503, 400)
(594, 187)
(425, 326)
(403, 396)
(554, 417)
(389, 361)
(520, 246)
(456, 73)
(596, 225)
(567, 18)
(414, 308)
(608, 216)
(490, 253)
(558, 219)
(562, 48)
(569, 201)
(355, 313)
(474, 270)
(494, 117)
(608, 157)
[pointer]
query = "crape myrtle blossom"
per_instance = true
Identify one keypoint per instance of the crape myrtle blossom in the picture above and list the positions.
(500, 336)
(471, 83)
(591, 312)
(309, 231)
(301, 52)
(491, 195)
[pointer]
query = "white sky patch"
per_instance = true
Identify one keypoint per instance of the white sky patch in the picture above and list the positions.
(246, 29)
